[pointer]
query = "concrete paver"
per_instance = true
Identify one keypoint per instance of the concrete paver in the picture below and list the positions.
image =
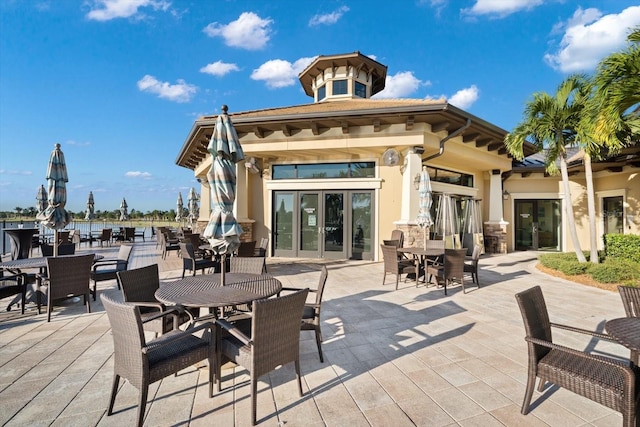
(408, 357)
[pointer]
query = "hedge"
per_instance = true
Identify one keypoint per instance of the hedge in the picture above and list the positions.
(622, 246)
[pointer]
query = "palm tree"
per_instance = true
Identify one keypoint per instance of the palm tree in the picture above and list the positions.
(551, 121)
(615, 106)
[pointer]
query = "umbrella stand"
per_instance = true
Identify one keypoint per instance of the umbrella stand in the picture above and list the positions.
(223, 264)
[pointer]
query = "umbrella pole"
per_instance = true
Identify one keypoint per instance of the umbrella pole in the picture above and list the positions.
(55, 242)
(223, 264)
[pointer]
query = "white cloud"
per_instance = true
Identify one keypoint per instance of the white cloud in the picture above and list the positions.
(401, 85)
(105, 10)
(328, 18)
(279, 73)
(219, 68)
(179, 92)
(465, 98)
(78, 144)
(15, 172)
(138, 174)
(589, 36)
(249, 31)
(500, 8)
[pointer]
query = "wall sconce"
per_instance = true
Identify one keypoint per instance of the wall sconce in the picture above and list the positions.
(252, 166)
(416, 181)
(505, 195)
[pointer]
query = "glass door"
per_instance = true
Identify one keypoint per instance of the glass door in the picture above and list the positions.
(284, 225)
(334, 246)
(361, 224)
(310, 225)
(537, 225)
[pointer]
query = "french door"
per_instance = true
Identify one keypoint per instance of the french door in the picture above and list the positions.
(323, 224)
(537, 224)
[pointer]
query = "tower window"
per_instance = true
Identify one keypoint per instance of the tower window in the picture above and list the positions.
(322, 92)
(360, 90)
(340, 87)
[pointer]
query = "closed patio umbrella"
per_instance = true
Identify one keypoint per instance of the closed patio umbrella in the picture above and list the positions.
(424, 219)
(179, 208)
(194, 209)
(124, 215)
(41, 198)
(89, 213)
(55, 216)
(222, 230)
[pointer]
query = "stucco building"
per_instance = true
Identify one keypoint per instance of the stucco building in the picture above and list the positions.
(333, 178)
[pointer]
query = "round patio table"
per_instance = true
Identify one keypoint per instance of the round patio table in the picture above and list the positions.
(207, 291)
(20, 241)
(626, 331)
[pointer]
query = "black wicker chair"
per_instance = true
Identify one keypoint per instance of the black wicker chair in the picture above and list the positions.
(107, 268)
(190, 261)
(610, 382)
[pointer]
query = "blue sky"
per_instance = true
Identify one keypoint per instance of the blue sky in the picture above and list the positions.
(119, 83)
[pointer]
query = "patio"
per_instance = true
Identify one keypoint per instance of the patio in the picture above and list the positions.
(408, 357)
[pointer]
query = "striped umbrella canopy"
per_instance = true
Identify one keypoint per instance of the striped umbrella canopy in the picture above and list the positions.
(424, 219)
(179, 208)
(54, 216)
(194, 209)
(89, 213)
(124, 215)
(222, 230)
(41, 198)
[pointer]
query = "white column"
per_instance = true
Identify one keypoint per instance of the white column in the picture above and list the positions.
(410, 203)
(496, 201)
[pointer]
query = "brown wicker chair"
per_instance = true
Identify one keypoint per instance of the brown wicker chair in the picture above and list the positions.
(14, 284)
(399, 236)
(107, 268)
(143, 363)
(246, 249)
(251, 264)
(193, 263)
(311, 311)
(63, 249)
(66, 277)
(452, 268)
(608, 381)
(472, 265)
(168, 243)
(630, 300)
(105, 236)
(393, 265)
(138, 288)
(274, 340)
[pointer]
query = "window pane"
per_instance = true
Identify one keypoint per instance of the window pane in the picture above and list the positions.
(339, 87)
(362, 170)
(322, 93)
(360, 90)
(284, 171)
(327, 170)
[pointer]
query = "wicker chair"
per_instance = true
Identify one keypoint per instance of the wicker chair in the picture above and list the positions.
(393, 265)
(143, 363)
(399, 236)
(168, 243)
(15, 284)
(105, 236)
(107, 268)
(472, 265)
(311, 311)
(63, 249)
(608, 381)
(139, 286)
(251, 264)
(66, 277)
(630, 300)
(452, 268)
(193, 263)
(246, 249)
(274, 340)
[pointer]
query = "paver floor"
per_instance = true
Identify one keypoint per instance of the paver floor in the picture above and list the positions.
(405, 357)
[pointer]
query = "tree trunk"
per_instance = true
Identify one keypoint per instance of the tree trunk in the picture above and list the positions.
(591, 208)
(568, 209)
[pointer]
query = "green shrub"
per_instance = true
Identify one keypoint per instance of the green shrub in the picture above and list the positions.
(572, 268)
(553, 260)
(615, 271)
(623, 246)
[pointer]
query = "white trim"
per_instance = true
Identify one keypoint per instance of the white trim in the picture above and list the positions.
(442, 187)
(324, 184)
(601, 195)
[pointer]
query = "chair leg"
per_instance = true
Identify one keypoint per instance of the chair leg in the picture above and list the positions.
(531, 382)
(143, 403)
(297, 365)
(87, 302)
(254, 392)
(319, 343)
(114, 390)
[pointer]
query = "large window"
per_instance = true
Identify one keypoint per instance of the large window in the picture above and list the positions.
(339, 87)
(450, 177)
(360, 90)
(325, 170)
